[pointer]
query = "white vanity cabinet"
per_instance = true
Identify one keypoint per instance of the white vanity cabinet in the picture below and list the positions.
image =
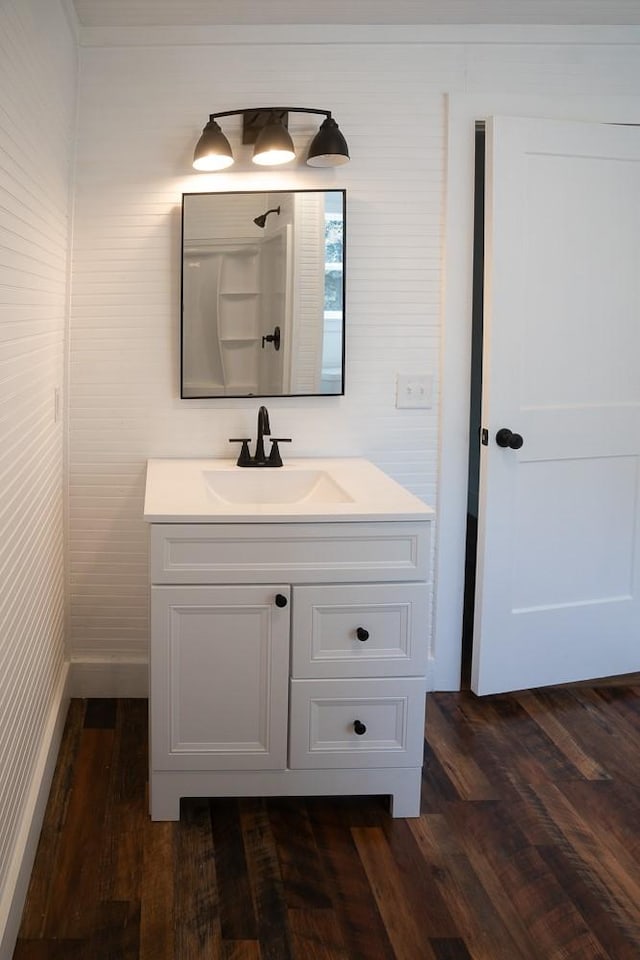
(289, 659)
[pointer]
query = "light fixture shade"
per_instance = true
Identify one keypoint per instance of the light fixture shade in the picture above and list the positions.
(328, 147)
(273, 145)
(213, 151)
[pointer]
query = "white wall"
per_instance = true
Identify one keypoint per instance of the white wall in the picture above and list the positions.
(144, 97)
(37, 115)
(141, 112)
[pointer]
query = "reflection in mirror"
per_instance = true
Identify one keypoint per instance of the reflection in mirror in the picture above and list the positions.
(263, 294)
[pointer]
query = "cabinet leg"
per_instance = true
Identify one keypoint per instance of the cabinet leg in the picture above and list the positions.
(405, 801)
(163, 804)
(405, 806)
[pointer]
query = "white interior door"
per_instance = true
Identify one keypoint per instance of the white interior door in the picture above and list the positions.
(558, 576)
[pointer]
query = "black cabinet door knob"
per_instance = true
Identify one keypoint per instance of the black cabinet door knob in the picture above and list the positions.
(362, 634)
(281, 600)
(359, 727)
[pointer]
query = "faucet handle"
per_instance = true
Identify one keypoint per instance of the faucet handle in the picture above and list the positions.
(275, 460)
(244, 460)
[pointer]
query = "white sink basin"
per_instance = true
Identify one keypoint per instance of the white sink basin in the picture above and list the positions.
(311, 490)
(272, 485)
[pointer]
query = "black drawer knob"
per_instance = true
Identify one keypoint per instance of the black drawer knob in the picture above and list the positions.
(362, 634)
(359, 727)
(281, 600)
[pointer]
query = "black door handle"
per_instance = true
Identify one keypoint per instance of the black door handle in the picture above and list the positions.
(359, 728)
(362, 634)
(506, 438)
(281, 600)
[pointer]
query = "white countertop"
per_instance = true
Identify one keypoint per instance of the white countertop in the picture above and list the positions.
(180, 491)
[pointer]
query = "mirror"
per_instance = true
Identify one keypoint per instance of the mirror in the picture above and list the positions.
(262, 294)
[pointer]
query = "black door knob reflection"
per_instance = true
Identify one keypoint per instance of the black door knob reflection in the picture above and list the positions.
(273, 338)
(281, 600)
(506, 438)
(359, 727)
(362, 634)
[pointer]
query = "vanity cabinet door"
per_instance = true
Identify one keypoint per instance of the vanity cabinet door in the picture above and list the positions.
(219, 677)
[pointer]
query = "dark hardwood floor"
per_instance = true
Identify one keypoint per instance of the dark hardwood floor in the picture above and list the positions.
(528, 848)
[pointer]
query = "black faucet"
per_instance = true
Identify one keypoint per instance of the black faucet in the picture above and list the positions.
(264, 430)
(260, 459)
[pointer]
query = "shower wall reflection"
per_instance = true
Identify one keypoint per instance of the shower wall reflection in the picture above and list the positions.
(263, 294)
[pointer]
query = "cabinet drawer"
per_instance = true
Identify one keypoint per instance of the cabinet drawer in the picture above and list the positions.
(360, 630)
(356, 723)
(289, 552)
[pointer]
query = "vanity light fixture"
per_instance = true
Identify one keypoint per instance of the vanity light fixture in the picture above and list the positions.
(266, 127)
(273, 144)
(214, 150)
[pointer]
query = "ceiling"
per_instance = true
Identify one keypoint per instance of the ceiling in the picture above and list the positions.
(137, 13)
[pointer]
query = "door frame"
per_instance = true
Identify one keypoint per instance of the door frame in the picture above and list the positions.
(462, 113)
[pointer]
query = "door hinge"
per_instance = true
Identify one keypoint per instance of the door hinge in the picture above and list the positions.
(484, 437)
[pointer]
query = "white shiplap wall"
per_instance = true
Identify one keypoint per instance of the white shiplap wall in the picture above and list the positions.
(141, 112)
(38, 65)
(143, 101)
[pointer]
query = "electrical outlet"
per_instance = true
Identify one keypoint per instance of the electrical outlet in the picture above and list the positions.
(414, 391)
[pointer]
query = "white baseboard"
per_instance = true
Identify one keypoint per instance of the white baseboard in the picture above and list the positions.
(109, 678)
(19, 873)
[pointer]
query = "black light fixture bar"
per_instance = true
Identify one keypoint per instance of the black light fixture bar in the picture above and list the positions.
(267, 128)
(266, 111)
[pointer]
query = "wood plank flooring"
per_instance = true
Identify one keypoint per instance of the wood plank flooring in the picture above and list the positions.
(528, 848)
